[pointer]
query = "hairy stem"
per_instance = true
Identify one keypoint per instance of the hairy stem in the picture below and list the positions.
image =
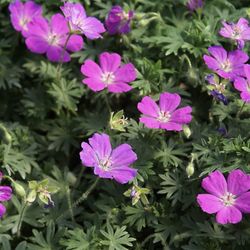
(81, 199)
(241, 109)
(20, 220)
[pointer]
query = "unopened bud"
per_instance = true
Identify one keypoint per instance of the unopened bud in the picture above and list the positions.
(19, 189)
(187, 131)
(190, 169)
(71, 178)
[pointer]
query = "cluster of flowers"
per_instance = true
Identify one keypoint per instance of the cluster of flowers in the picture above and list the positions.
(61, 35)
(230, 65)
(5, 195)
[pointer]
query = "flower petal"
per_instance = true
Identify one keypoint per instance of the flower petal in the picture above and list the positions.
(238, 182)
(55, 54)
(39, 27)
(101, 145)
(247, 71)
(5, 193)
(215, 183)
(243, 203)
(171, 126)
(119, 87)
(37, 44)
(219, 53)
(103, 173)
(240, 84)
(123, 175)
(94, 84)
(182, 115)
(126, 73)
(75, 43)
(169, 102)
(229, 215)
(211, 62)
(92, 28)
(91, 69)
(59, 25)
(123, 156)
(109, 62)
(209, 203)
(150, 122)
(2, 210)
(148, 107)
(88, 155)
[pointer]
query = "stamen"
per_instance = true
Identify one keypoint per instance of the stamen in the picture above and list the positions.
(108, 77)
(164, 116)
(228, 199)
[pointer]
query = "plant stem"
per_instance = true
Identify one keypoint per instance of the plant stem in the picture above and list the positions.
(81, 199)
(20, 221)
(59, 67)
(107, 103)
(241, 109)
(70, 204)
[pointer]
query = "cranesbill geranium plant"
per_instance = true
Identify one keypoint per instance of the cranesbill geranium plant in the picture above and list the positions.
(228, 65)
(75, 14)
(238, 32)
(110, 74)
(165, 115)
(22, 14)
(52, 38)
(228, 199)
(107, 162)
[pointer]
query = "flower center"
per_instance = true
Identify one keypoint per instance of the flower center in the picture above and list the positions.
(236, 32)
(23, 23)
(228, 199)
(226, 66)
(108, 78)
(105, 164)
(53, 39)
(164, 116)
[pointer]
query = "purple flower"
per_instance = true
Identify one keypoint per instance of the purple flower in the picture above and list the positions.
(219, 96)
(194, 4)
(118, 21)
(228, 199)
(5, 195)
(107, 162)
(110, 74)
(243, 85)
(165, 115)
(239, 32)
(22, 14)
(226, 64)
(50, 38)
(75, 13)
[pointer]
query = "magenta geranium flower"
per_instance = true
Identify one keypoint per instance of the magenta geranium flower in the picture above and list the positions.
(239, 32)
(226, 64)
(22, 14)
(243, 85)
(75, 13)
(165, 115)
(50, 38)
(5, 195)
(107, 162)
(110, 74)
(118, 21)
(194, 4)
(227, 198)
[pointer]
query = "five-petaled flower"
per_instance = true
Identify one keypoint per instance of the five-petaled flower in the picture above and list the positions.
(22, 14)
(239, 32)
(165, 115)
(75, 13)
(227, 198)
(110, 74)
(107, 162)
(5, 195)
(226, 64)
(118, 21)
(243, 85)
(50, 38)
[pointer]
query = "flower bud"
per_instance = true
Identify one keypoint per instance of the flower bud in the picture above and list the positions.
(71, 179)
(187, 131)
(31, 196)
(5, 135)
(19, 189)
(190, 169)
